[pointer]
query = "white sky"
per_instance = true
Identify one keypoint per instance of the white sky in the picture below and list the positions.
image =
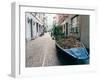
(50, 20)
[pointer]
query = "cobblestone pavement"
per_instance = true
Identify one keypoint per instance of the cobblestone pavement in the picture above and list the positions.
(41, 52)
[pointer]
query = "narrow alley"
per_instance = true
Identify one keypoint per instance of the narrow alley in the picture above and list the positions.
(41, 52)
(67, 30)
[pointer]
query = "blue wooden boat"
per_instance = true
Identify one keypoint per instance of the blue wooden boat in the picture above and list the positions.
(79, 53)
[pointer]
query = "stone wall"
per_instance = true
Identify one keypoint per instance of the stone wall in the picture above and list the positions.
(84, 27)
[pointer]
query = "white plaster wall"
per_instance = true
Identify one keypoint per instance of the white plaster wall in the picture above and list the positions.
(27, 28)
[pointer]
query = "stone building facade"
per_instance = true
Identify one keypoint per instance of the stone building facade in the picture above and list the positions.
(73, 24)
(34, 25)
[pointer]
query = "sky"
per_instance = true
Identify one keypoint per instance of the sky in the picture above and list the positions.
(50, 20)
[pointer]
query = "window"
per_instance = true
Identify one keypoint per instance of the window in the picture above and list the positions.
(75, 24)
(37, 26)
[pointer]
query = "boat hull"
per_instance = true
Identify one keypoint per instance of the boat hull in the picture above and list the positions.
(70, 58)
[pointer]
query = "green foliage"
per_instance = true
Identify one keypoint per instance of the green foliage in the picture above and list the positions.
(57, 32)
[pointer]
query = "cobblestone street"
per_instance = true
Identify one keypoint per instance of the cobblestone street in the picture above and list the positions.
(41, 52)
